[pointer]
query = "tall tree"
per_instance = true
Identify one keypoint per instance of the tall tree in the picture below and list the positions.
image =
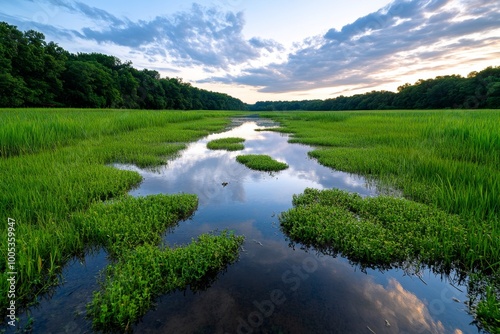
(89, 84)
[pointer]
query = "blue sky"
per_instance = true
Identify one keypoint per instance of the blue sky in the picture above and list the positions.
(260, 50)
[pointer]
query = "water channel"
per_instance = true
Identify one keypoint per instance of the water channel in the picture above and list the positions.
(274, 287)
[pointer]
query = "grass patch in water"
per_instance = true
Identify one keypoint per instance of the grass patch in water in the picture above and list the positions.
(229, 144)
(131, 230)
(375, 230)
(124, 223)
(130, 286)
(488, 310)
(443, 158)
(261, 162)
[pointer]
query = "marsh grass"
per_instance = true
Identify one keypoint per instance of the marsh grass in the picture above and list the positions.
(26, 131)
(261, 162)
(131, 229)
(449, 158)
(488, 310)
(54, 164)
(140, 275)
(127, 222)
(229, 144)
(446, 159)
(375, 230)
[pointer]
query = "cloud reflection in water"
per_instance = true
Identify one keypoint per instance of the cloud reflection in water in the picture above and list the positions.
(202, 171)
(335, 298)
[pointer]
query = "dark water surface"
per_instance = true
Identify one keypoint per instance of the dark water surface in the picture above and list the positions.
(274, 287)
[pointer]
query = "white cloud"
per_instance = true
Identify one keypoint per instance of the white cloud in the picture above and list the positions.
(404, 41)
(201, 36)
(366, 51)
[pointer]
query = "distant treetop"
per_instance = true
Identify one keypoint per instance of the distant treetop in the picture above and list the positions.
(34, 73)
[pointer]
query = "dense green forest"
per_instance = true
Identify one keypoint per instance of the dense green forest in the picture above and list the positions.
(478, 90)
(34, 73)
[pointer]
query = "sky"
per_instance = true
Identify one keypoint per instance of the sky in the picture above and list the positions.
(268, 50)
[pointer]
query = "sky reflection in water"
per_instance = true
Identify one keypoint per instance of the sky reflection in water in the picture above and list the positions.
(313, 293)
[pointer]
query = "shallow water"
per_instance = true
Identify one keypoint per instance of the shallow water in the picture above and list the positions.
(274, 287)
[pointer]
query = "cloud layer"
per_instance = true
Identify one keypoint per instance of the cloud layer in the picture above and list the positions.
(206, 37)
(405, 37)
(401, 35)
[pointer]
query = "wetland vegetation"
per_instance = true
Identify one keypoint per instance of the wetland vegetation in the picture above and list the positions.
(229, 144)
(66, 198)
(131, 229)
(261, 162)
(446, 160)
(56, 178)
(131, 284)
(379, 230)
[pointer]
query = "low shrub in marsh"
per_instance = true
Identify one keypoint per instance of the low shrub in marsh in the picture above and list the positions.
(124, 223)
(130, 229)
(130, 285)
(261, 162)
(229, 144)
(374, 230)
(488, 310)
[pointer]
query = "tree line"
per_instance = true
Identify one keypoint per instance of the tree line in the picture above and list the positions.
(477, 90)
(34, 73)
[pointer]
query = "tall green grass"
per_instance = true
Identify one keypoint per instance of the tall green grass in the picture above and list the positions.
(24, 131)
(449, 158)
(54, 163)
